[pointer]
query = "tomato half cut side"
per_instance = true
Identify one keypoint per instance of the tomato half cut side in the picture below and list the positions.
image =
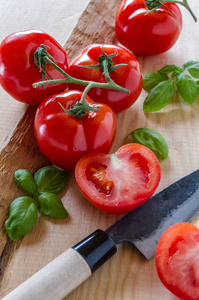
(177, 260)
(118, 183)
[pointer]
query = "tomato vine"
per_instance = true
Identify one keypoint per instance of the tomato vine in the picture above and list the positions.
(42, 57)
(155, 4)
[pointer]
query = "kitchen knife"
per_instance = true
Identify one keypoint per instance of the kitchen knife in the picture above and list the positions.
(142, 227)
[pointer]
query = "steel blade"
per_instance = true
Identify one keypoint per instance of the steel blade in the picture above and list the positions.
(142, 227)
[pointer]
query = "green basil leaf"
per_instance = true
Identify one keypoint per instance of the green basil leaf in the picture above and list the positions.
(151, 139)
(187, 88)
(23, 215)
(25, 180)
(175, 74)
(151, 79)
(51, 179)
(193, 68)
(197, 82)
(159, 96)
(170, 68)
(51, 205)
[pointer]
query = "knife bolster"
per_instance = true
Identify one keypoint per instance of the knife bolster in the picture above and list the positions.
(96, 249)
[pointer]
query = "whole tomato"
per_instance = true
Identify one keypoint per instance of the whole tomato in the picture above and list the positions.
(144, 32)
(18, 71)
(127, 75)
(63, 138)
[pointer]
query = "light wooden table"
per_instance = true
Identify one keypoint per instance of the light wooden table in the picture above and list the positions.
(127, 275)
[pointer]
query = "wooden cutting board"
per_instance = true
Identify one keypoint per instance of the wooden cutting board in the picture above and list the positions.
(127, 275)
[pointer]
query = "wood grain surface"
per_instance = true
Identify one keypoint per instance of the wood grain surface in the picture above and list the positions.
(127, 275)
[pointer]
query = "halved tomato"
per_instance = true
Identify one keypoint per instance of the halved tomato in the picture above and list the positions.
(177, 260)
(119, 182)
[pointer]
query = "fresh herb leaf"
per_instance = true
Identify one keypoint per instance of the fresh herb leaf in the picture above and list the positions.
(197, 82)
(175, 74)
(151, 79)
(25, 180)
(23, 215)
(151, 139)
(159, 96)
(187, 88)
(23, 212)
(193, 68)
(161, 93)
(51, 179)
(51, 205)
(170, 68)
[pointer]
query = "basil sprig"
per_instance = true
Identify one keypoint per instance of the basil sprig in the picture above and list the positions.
(161, 85)
(151, 139)
(43, 187)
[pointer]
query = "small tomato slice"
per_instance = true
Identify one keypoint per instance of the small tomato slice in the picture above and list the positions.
(119, 182)
(63, 138)
(177, 260)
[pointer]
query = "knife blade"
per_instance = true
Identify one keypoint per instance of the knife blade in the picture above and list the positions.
(142, 227)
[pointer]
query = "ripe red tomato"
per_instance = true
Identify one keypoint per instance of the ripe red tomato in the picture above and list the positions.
(17, 68)
(151, 33)
(120, 182)
(177, 260)
(128, 76)
(64, 139)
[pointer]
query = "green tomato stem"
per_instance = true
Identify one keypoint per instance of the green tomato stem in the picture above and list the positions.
(78, 108)
(155, 4)
(183, 3)
(105, 65)
(110, 84)
(89, 86)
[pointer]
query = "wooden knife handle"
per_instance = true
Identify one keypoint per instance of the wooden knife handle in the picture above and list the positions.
(55, 280)
(68, 270)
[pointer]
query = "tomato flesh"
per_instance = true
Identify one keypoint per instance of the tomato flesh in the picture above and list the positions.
(119, 182)
(177, 260)
(147, 33)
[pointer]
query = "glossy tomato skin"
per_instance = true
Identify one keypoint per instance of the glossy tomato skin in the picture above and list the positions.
(120, 182)
(17, 68)
(64, 139)
(128, 76)
(147, 34)
(177, 260)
